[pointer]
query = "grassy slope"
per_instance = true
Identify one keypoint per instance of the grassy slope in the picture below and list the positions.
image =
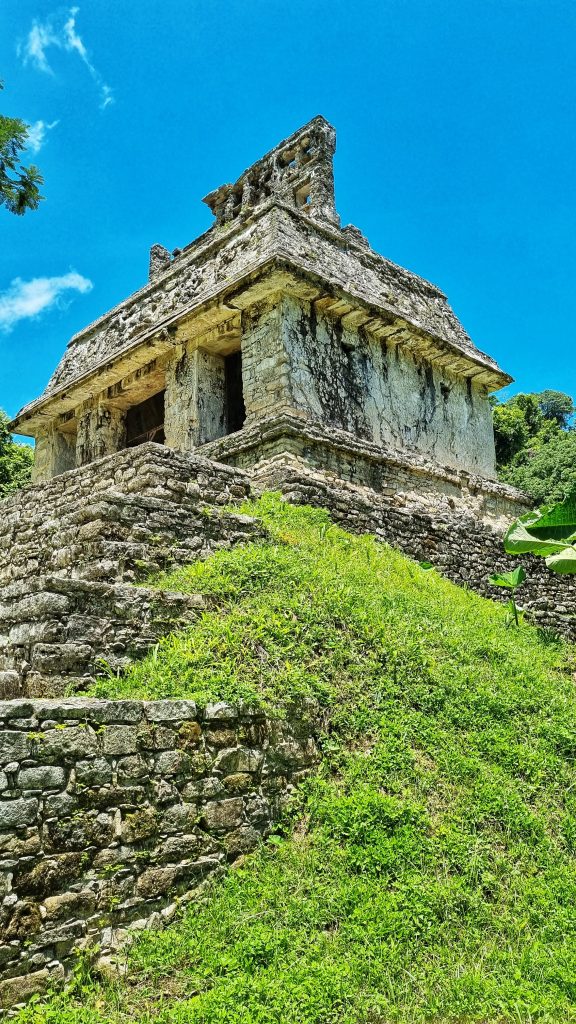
(430, 871)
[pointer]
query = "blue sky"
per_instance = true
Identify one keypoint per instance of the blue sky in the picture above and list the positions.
(456, 152)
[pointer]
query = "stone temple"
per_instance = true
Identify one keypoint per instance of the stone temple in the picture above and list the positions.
(279, 331)
(277, 351)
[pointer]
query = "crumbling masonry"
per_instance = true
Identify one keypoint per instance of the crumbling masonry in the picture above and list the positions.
(276, 351)
(277, 312)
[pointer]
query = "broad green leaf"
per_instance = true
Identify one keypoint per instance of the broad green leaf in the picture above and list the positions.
(520, 540)
(549, 532)
(564, 562)
(511, 579)
(561, 515)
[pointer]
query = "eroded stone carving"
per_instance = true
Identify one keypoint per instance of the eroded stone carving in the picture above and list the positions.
(159, 261)
(298, 172)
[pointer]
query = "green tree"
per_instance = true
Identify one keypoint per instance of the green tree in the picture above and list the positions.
(529, 405)
(547, 472)
(535, 447)
(557, 406)
(19, 185)
(15, 460)
(511, 431)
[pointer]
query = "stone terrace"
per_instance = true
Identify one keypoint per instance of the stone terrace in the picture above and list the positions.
(70, 548)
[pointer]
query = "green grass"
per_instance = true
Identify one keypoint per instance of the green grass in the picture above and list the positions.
(428, 871)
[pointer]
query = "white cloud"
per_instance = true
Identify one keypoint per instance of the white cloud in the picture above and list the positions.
(39, 39)
(60, 31)
(24, 300)
(37, 134)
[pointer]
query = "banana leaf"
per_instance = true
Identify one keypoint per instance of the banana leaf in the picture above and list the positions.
(549, 532)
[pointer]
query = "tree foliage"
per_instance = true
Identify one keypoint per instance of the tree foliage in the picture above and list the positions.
(536, 444)
(19, 185)
(557, 406)
(15, 460)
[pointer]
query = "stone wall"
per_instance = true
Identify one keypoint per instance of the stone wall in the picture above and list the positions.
(399, 474)
(122, 516)
(344, 376)
(69, 546)
(57, 635)
(112, 813)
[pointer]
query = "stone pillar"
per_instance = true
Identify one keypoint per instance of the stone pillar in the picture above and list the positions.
(265, 362)
(55, 453)
(180, 402)
(160, 260)
(195, 400)
(101, 431)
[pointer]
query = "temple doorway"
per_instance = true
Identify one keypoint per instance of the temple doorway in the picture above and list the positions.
(145, 421)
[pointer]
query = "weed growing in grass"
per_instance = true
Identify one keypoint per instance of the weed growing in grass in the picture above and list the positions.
(511, 580)
(430, 871)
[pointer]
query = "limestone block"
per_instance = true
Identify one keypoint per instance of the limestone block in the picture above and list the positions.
(141, 824)
(240, 759)
(119, 739)
(180, 817)
(19, 989)
(91, 829)
(61, 657)
(169, 710)
(60, 805)
(223, 814)
(239, 782)
(9, 683)
(96, 772)
(70, 742)
(48, 875)
(69, 904)
(173, 762)
(132, 768)
(220, 712)
(156, 881)
(17, 813)
(220, 737)
(175, 847)
(242, 840)
(45, 777)
(14, 746)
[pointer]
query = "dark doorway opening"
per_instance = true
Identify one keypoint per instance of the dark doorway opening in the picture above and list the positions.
(235, 408)
(145, 421)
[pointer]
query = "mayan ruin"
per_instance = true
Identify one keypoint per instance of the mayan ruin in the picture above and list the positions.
(276, 352)
(274, 324)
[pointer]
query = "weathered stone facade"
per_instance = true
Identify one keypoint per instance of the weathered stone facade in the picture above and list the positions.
(71, 547)
(113, 813)
(389, 473)
(277, 351)
(276, 310)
